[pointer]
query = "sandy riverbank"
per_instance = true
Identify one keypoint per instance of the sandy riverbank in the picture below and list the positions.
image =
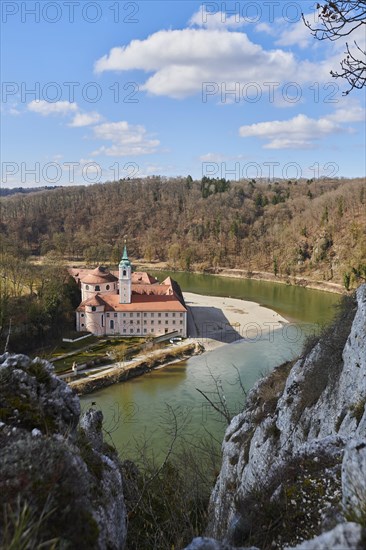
(216, 321)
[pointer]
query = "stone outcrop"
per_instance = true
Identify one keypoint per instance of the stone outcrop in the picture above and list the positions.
(294, 462)
(56, 472)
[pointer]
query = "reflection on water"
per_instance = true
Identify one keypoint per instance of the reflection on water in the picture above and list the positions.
(141, 409)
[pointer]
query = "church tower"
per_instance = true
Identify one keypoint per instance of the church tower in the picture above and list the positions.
(125, 290)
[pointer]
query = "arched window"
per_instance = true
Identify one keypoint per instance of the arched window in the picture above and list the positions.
(111, 324)
(94, 308)
(97, 287)
(107, 287)
(124, 273)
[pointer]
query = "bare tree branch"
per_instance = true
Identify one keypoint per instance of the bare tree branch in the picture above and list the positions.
(220, 411)
(339, 19)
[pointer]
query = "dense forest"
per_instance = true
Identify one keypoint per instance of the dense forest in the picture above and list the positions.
(6, 191)
(314, 228)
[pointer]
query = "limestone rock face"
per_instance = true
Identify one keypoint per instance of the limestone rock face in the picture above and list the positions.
(300, 443)
(204, 543)
(346, 536)
(56, 473)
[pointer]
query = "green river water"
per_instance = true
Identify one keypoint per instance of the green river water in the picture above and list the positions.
(141, 411)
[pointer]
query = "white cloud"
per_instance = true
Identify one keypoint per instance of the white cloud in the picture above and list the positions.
(300, 132)
(221, 157)
(298, 34)
(349, 111)
(14, 111)
(290, 34)
(85, 119)
(10, 109)
(127, 139)
(213, 157)
(45, 108)
(265, 27)
(90, 165)
(216, 20)
(295, 34)
(182, 60)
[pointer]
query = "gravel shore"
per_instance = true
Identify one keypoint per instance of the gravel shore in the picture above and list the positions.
(216, 321)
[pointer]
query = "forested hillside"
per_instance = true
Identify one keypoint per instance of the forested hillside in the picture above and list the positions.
(313, 228)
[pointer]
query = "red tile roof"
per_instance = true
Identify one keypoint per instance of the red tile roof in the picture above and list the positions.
(99, 275)
(140, 302)
(141, 278)
(157, 290)
(95, 300)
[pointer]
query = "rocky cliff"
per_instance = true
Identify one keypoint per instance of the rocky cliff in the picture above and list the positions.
(294, 462)
(60, 483)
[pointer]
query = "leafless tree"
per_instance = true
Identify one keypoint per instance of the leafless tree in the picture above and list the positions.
(337, 20)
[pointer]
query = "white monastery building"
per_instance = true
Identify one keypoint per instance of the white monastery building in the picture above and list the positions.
(132, 304)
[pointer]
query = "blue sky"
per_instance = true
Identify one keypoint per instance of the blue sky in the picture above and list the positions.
(92, 91)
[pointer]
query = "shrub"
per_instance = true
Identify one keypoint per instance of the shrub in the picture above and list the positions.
(291, 506)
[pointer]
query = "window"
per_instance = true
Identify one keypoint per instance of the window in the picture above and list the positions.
(138, 315)
(82, 325)
(124, 315)
(159, 322)
(173, 322)
(94, 308)
(166, 322)
(131, 314)
(131, 330)
(111, 324)
(181, 322)
(107, 314)
(107, 287)
(167, 314)
(124, 330)
(124, 273)
(145, 322)
(166, 331)
(145, 314)
(116, 315)
(152, 315)
(131, 322)
(97, 287)
(138, 322)
(145, 330)
(181, 314)
(152, 330)
(152, 322)
(102, 320)
(159, 314)
(82, 315)
(173, 314)
(87, 287)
